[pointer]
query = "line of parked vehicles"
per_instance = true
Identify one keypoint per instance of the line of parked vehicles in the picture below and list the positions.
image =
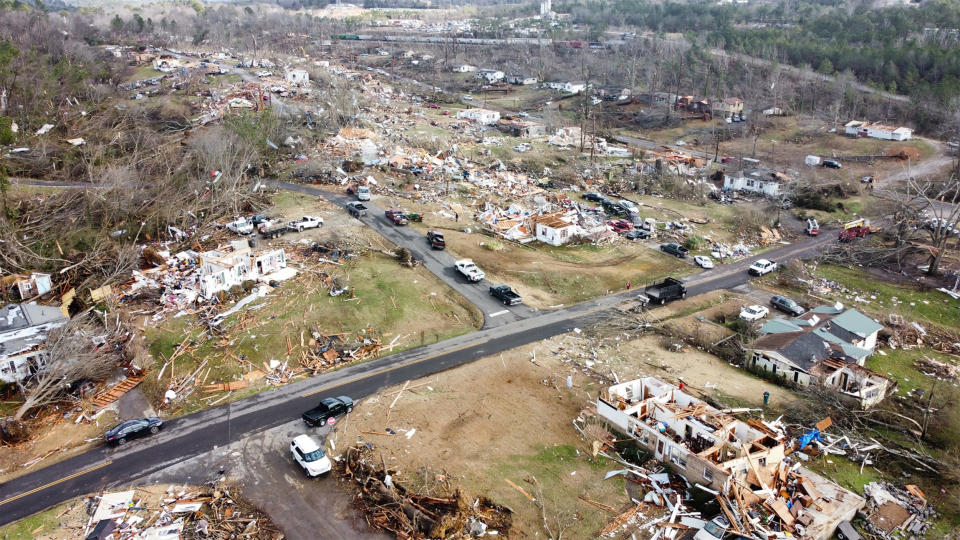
(272, 227)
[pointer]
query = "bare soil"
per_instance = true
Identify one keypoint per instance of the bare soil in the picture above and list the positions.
(507, 417)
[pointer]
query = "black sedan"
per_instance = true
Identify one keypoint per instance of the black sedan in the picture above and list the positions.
(593, 197)
(132, 429)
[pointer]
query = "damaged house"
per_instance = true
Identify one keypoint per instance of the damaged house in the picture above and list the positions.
(762, 181)
(23, 334)
(745, 459)
(223, 268)
(827, 345)
(480, 116)
(555, 229)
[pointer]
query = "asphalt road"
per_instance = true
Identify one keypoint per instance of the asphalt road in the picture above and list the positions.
(190, 436)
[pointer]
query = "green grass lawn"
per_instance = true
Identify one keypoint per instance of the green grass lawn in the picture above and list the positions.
(898, 365)
(30, 527)
(389, 300)
(927, 308)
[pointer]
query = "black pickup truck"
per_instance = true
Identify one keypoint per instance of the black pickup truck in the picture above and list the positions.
(506, 295)
(436, 240)
(665, 291)
(327, 409)
(674, 249)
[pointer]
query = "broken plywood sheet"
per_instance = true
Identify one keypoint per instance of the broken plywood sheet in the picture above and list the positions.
(782, 511)
(889, 516)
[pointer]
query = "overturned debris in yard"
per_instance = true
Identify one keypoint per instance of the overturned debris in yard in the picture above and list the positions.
(390, 506)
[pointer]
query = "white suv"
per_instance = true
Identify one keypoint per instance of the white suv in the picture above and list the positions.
(309, 455)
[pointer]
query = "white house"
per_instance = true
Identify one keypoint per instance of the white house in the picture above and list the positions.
(480, 116)
(518, 78)
(298, 76)
(757, 181)
(554, 230)
(166, 63)
(858, 128)
(224, 268)
(568, 87)
(23, 335)
(464, 68)
(828, 345)
(490, 75)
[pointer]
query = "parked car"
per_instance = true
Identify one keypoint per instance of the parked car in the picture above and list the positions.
(240, 226)
(786, 305)
(328, 409)
(469, 270)
(832, 164)
(593, 197)
(308, 453)
(397, 216)
(703, 261)
(436, 240)
(761, 267)
(629, 206)
(505, 294)
(637, 234)
(674, 249)
(131, 429)
(306, 222)
(754, 312)
(363, 193)
(619, 226)
(356, 209)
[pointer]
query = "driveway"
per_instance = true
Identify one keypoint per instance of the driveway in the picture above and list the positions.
(304, 508)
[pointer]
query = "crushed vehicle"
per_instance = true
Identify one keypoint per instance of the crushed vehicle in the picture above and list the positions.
(306, 222)
(506, 295)
(674, 249)
(666, 291)
(469, 270)
(397, 216)
(327, 411)
(356, 209)
(436, 240)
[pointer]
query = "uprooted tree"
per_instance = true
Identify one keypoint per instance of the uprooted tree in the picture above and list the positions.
(82, 349)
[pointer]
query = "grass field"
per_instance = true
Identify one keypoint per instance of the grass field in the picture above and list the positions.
(388, 301)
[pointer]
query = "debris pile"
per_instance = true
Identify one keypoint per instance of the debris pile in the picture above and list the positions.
(178, 513)
(892, 509)
(390, 506)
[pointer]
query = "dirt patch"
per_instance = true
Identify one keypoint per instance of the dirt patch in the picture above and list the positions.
(507, 417)
(55, 437)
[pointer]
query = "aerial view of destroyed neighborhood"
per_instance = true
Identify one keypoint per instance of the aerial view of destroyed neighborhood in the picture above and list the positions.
(451, 269)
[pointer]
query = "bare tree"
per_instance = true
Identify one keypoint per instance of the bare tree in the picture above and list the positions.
(79, 350)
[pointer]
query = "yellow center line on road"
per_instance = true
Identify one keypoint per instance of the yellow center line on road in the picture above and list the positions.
(381, 371)
(55, 482)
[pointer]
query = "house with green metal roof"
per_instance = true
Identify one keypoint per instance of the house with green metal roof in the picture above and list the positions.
(826, 345)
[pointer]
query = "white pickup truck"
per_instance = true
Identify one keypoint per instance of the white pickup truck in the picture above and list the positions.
(240, 226)
(306, 222)
(469, 270)
(762, 267)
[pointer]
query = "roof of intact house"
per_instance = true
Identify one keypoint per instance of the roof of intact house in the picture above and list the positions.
(857, 323)
(25, 326)
(816, 335)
